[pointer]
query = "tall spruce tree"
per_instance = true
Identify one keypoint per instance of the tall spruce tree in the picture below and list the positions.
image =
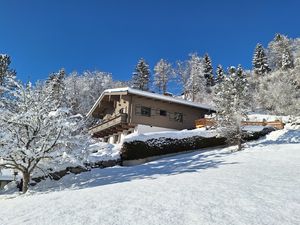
(232, 102)
(280, 53)
(219, 74)
(141, 76)
(208, 70)
(5, 71)
(259, 62)
(56, 87)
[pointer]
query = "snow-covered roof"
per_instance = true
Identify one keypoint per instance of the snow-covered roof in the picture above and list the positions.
(149, 95)
(6, 174)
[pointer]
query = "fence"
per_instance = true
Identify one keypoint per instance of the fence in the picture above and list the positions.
(209, 122)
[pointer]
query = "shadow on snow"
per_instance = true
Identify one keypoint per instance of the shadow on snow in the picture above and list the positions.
(189, 162)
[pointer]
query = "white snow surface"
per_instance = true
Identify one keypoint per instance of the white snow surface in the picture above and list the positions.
(256, 117)
(170, 134)
(253, 128)
(259, 185)
(102, 151)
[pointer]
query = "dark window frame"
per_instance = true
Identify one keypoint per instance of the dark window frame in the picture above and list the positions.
(162, 112)
(145, 111)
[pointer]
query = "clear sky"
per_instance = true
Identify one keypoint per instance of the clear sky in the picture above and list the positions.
(43, 36)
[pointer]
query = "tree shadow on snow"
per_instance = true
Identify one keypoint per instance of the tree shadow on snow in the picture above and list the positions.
(189, 162)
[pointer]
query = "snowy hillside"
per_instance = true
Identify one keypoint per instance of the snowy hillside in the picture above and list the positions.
(259, 185)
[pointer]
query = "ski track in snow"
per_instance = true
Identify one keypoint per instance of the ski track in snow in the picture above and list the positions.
(259, 185)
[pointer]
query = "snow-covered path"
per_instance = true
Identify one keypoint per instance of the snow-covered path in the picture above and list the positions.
(259, 185)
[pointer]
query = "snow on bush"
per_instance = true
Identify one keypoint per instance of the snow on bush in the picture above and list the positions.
(101, 151)
(202, 132)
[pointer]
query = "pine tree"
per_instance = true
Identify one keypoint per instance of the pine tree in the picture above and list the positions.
(208, 70)
(280, 52)
(287, 60)
(259, 62)
(219, 74)
(232, 102)
(141, 76)
(5, 71)
(56, 86)
(163, 74)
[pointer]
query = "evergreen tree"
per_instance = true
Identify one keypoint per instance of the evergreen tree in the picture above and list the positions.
(56, 87)
(287, 60)
(219, 74)
(232, 102)
(259, 62)
(141, 76)
(280, 52)
(5, 71)
(208, 70)
(163, 74)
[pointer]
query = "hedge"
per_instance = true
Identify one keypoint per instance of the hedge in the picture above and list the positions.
(154, 147)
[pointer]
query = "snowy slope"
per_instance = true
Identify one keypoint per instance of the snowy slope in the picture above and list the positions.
(259, 185)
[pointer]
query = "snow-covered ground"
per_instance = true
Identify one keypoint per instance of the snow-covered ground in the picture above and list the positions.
(101, 151)
(259, 185)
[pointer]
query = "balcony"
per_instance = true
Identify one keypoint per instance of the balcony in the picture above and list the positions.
(110, 126)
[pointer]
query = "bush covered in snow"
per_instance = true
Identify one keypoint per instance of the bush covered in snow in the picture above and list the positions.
(161, 143)
(161, 146)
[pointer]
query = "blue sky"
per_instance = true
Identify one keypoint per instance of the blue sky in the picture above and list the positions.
(109, 35)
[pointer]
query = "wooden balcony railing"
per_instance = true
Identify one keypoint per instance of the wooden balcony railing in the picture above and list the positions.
(116, 120)
(208, 122)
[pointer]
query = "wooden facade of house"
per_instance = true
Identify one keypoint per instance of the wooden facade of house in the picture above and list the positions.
(121, 111)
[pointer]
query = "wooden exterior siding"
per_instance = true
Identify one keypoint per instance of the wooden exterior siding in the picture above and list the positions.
(190, 114)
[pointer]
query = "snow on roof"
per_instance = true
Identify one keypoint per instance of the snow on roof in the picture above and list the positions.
(149, 95)
(6, 174)
(6, 178)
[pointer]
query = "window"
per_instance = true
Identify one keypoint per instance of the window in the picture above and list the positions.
(163, 112)
(145, 111)
(116, 138)
(178, 117)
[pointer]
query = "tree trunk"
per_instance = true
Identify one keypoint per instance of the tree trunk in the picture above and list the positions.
(26, 179)
(239, 144)
(164, 88)
(239, 138)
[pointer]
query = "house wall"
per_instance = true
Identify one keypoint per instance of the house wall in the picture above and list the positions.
(190, 114)
(122, 103)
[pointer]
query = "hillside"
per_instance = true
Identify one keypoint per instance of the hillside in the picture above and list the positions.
(259, 185)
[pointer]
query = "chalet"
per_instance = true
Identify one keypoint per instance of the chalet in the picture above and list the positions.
(122, 111)
(6, 176)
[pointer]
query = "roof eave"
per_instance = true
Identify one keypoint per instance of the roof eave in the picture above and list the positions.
(106, 92)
